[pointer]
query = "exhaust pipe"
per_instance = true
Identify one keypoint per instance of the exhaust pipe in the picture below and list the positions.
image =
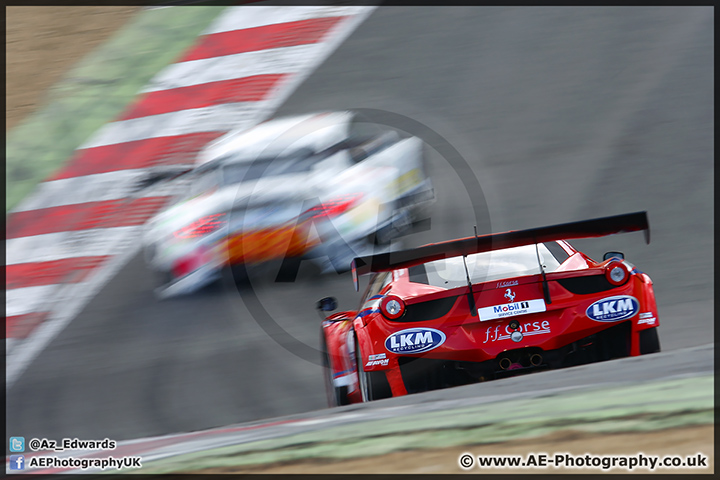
(505, 363)
(535, 359)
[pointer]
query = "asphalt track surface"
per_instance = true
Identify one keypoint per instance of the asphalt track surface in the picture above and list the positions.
(561, 115)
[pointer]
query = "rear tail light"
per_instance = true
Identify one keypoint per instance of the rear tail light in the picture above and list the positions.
(392, 307)
(202, 226)
(616, 273)
(334, 207)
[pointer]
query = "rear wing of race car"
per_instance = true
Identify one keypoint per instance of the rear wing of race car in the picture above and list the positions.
(598, 227)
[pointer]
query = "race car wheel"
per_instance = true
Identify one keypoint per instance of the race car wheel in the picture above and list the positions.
(336, 396)
(373, 385)
(649, 341)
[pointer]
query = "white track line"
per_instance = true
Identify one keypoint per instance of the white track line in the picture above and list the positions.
(242, 17)
(97, 187)
(62, 245)
(217, 118)
(19, 301)
(230, 67)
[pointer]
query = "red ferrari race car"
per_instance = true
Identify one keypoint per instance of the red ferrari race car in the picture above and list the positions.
(483, 307)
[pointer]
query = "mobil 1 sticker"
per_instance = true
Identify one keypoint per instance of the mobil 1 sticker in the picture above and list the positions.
(511, 309)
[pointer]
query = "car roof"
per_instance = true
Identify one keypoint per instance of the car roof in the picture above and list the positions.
(275, 137)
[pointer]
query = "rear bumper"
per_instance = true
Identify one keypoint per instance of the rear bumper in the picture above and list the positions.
(420, 374)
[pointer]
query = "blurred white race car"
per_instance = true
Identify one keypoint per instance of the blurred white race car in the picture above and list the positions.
(325, 187)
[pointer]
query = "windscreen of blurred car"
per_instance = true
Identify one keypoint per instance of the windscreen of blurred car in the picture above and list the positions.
(300, 161)
(204, 181)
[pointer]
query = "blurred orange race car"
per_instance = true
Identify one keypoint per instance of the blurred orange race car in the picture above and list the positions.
(325, 186)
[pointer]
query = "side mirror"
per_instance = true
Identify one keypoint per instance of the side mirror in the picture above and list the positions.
(613, 255)
(327, 304)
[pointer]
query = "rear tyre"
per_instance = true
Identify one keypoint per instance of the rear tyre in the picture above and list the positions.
(649, 341)
(336, 396)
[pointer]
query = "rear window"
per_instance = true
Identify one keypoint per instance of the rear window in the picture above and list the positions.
(484, 267)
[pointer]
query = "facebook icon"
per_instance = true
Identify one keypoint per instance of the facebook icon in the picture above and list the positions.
(17, 462)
